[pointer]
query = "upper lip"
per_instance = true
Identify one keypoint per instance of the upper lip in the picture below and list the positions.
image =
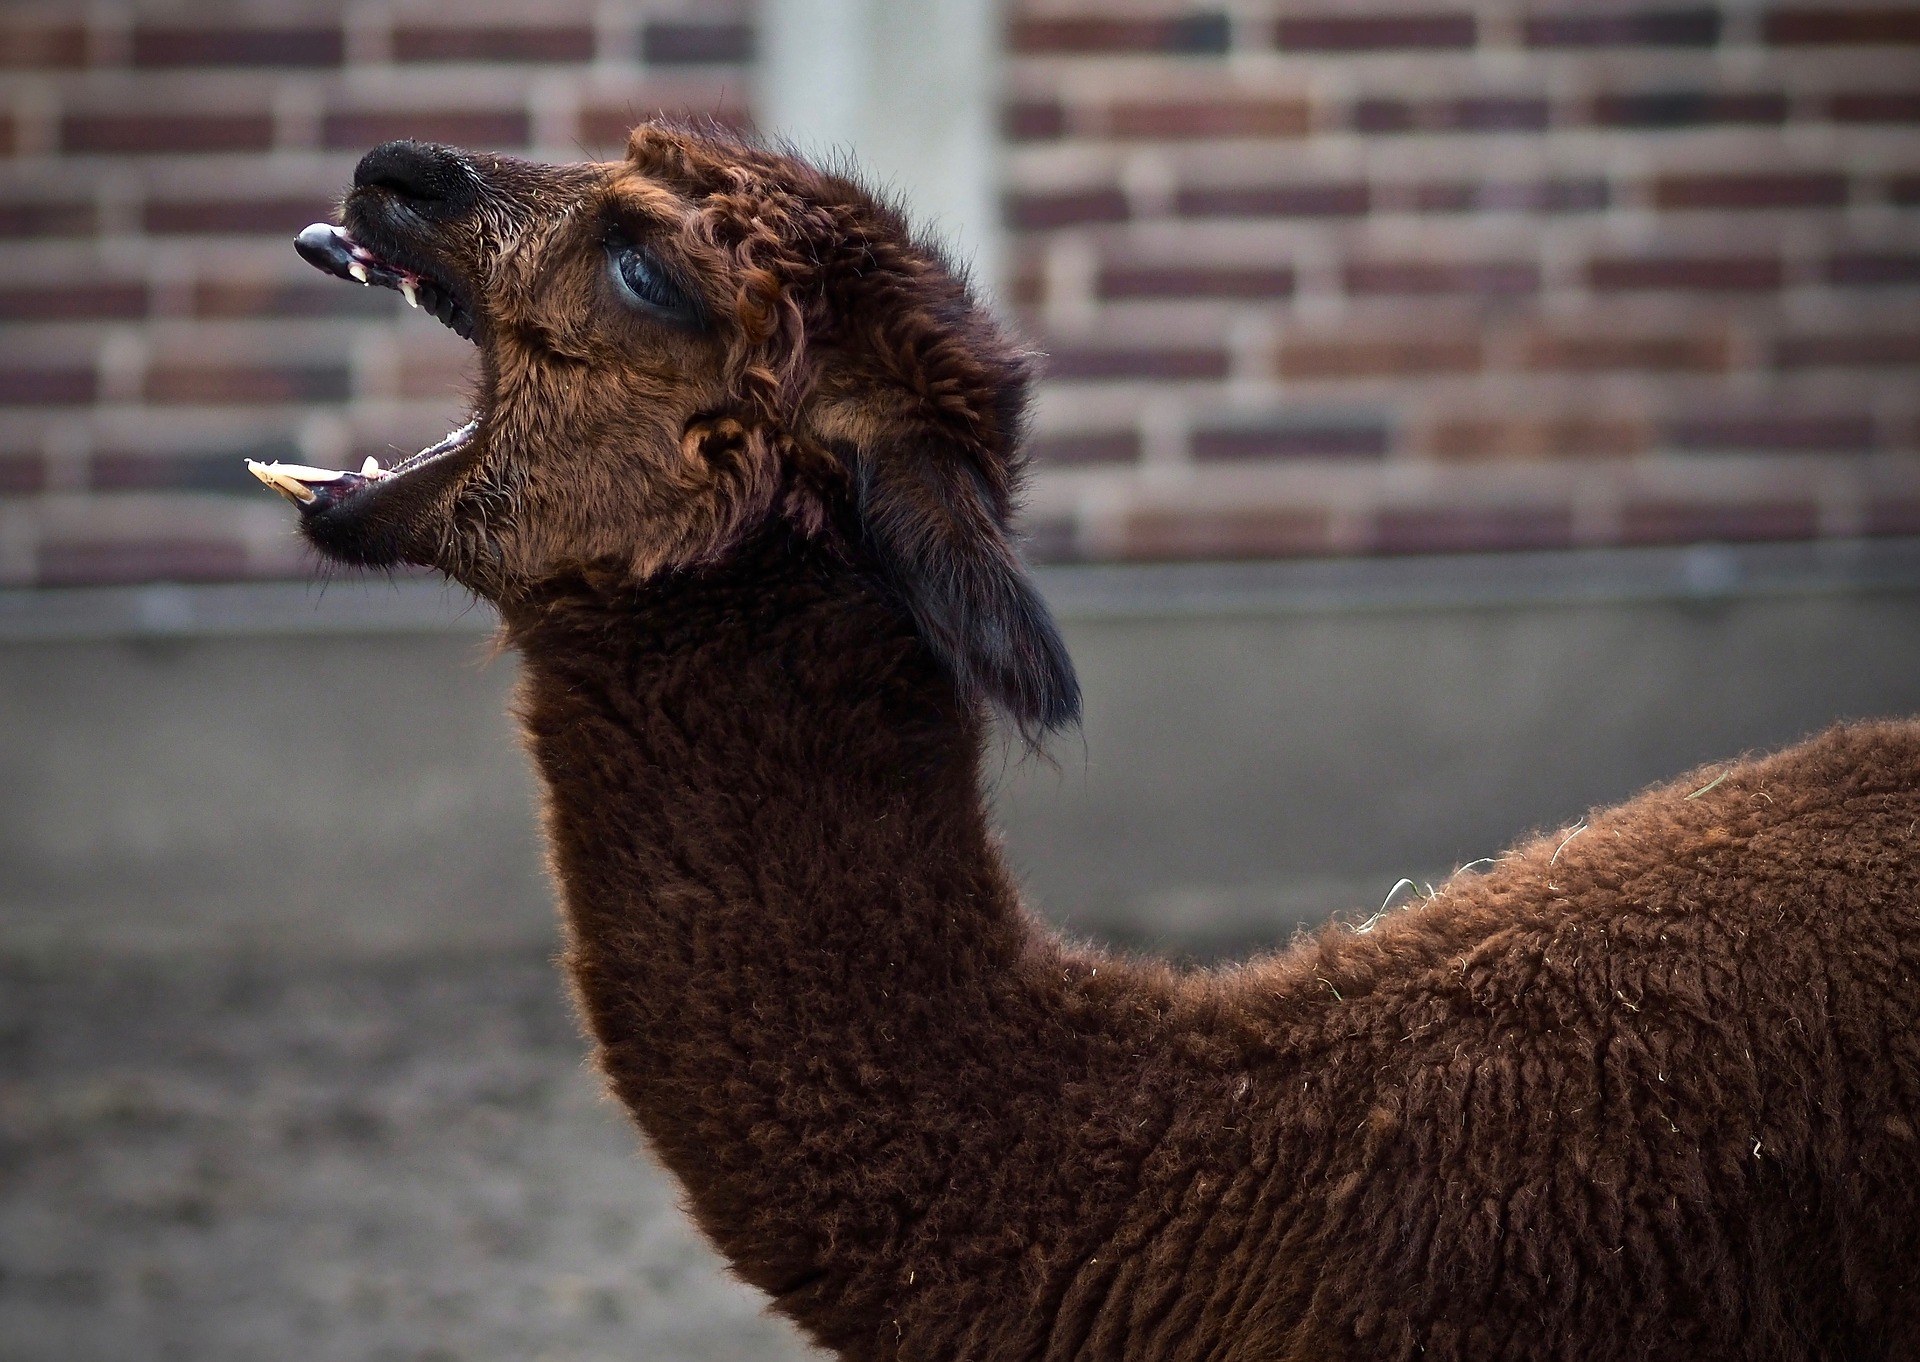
(347, 253)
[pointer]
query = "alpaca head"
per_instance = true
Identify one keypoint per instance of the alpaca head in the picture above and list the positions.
(677, 349)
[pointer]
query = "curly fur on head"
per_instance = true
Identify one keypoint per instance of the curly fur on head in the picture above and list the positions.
(683, 346)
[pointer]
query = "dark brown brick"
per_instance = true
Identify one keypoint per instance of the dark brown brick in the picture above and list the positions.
(147, 471)
(155, 133)
(1033, 120)
(517, 44)
(1615, 274)
(1195, 281)
(1400, 356)
(1212, 118)
(317, 297)
(1904, 191)
(234, 217)
(1306, 200)
(1885, 106)
(170, 382)
(1374, 32)
(1570, 436)
(1689, 109)
(1772, 432)
(488, 129)
(1685, 522)
(1049, 539)
(1491, 277)
(168, 45)
(1539, 196)
(1692, 27)
(605, 127)
(1093, 363)
(1477, 113)
(1854, 350)
(1065, 208)
(1864, 269)
(1471, 529)
(1250, 533)
(1750, 191)
(68, 386)
(1200, 34)
(44, 44)
(1612, 350)
(1892, 515)
(1301, 437)
(19, 220)
(694, 44)
(1064, 451)
(106, 562)
(90, 301)
(1827, 27)
(22, 475)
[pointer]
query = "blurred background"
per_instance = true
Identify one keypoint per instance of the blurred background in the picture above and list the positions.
(1457, 413)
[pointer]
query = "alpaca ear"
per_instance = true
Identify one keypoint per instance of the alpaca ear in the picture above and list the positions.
(931, 518)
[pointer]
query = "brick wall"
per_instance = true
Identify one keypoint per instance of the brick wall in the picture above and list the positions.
(1329, 280)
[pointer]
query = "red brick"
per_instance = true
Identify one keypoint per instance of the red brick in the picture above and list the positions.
(1115, 446)
(1689, 109)
(1684, 522)
(480, 129)
(605, 127)
(234, 217)
(1305, 200)
(1855, 350)
(1493, 278)
(1034, 211)
(1690, 27)
(1865, 269)
(1575, 436)
(1828, 27)
(1892, 515)
(1472, 529)
(1778, 432)
(1033, 120)
(1090, 363)
(1049, 539)
(19, 219)
(1371, 358)
(22, 475)
(1612, 350)
(146, 471)
(696, 44)
(1374, 32)
(106, 562)
(1751, 191)
(1474, 113)
(246, 384)
(1904, 191)
(1301, 437)
(231, 45)
(137, 133)
(1205, 34)
(69, 386)
(1212, 118)
(1195, 281)
(44, 44)
(1539, 196)
(517, 44)
(318, 297)
(89, 301)
(1684, 273)
(1272, 533)
(1886, 106)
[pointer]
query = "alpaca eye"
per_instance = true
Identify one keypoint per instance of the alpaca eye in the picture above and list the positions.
(645, 282)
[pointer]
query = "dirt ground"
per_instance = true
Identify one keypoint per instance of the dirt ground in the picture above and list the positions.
(395, 1161)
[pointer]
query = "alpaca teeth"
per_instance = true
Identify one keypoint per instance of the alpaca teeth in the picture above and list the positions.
(372, 469)
(357, 270)
(406, 287)
(291, 480)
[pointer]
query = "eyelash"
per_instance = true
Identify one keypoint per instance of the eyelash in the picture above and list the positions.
(644, 281)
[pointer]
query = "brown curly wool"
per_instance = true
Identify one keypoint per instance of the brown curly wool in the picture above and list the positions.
(1647, 1090)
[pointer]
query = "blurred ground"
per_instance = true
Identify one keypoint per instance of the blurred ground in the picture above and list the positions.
(285, 1070)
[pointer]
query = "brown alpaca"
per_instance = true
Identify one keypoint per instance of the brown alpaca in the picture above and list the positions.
(739, 480)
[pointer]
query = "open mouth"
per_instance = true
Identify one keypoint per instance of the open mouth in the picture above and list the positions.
(334, 250)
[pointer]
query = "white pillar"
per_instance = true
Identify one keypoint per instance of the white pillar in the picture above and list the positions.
(909, 89)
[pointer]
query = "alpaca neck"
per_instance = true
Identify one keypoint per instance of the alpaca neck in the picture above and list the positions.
(791, 934)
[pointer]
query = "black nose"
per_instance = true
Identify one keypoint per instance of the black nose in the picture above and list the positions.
(429, 177)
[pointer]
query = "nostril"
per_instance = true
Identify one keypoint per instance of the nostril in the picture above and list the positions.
(417, 171)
